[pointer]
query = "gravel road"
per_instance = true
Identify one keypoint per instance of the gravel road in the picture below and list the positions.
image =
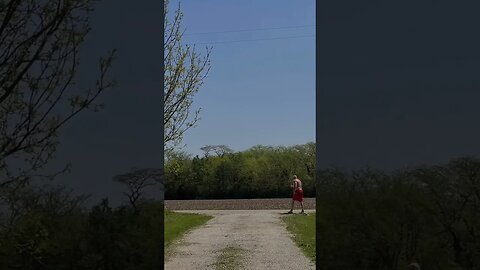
(237, 204)
(259, 234)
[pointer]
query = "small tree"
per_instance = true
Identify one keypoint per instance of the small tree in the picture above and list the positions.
(185, 71)
(137, 181)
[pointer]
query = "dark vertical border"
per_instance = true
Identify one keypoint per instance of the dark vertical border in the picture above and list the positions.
(161, 50)
(317, 126)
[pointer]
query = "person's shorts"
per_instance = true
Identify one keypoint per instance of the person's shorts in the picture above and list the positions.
(298, 195)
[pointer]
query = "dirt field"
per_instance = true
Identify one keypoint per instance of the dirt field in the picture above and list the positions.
(237, 204)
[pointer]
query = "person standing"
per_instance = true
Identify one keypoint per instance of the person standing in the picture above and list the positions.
(297, 193)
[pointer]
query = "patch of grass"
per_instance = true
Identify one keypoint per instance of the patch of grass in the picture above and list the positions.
(176, 224)
(229, 259)
(303, 229)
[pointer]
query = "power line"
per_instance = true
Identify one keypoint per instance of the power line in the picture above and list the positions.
(248, 40)
(250, 30)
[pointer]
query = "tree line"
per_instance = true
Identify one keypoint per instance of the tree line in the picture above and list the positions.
(370, 219)
(50, 228)
(259, 172)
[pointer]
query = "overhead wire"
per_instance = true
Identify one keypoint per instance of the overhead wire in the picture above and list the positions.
(250, 30)
(248, 40)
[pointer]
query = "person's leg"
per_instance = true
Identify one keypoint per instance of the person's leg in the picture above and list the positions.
(291, 209)
(301, 203)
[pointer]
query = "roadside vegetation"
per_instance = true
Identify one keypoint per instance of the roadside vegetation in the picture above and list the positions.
(302, 228)
(177, 224)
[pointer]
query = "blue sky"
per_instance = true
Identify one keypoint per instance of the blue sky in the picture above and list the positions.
(260, 92)
(257, 92)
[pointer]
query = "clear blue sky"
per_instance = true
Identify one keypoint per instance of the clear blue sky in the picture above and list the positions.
(259, 92)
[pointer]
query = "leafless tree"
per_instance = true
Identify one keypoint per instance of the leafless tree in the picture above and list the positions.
(185, 71)
(137, 181)
(39, 48)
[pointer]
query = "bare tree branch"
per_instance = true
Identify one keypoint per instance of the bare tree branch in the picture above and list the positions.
(136, 181)
(39, 44)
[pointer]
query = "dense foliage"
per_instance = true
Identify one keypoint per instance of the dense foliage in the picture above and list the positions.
(366, 219)
(54, 231)
(259, 172)
(372, 220)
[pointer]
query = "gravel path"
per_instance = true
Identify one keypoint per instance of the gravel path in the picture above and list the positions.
(260, 234)
(237, 204)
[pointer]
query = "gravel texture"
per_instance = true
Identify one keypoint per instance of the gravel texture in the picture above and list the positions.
(261, 235)
(237, 204)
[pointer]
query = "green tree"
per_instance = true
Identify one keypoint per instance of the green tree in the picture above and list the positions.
(185, 72)
(259, 172)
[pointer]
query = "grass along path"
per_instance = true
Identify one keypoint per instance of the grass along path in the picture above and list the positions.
(176, 224)
(303, 230)
(240, 239)
(229, 259)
